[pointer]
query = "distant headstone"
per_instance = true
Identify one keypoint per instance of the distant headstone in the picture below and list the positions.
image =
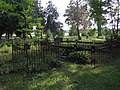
(57, 40)
(34, 27)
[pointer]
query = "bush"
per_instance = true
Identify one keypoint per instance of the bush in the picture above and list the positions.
(92, 32)
(49, 35)
(79, 57)
(5, 43)
(101, 37)
(84, 34)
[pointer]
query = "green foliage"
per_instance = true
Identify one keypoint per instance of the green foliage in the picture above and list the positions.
(52, 10)
(49, 35)
(38, 33)
(97, 13)
(5, 43)
(84, 33)
(78, 54)
(5, 51)
(60, 33)
(76, 14)
(51, 16)
(17, 15)
(92, 32)
(18, 41)
(8, 23)
(73, 31)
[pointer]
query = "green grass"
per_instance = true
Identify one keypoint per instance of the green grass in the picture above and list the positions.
(68, 77)
(5, 50)
(84, 38)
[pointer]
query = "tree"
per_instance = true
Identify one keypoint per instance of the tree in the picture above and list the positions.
(51, 19)
(114, 14)
(97, 13)
(77, 15)
(21, 15)
(8, 19)
(57, 29)
(25, 9)
(38, 18)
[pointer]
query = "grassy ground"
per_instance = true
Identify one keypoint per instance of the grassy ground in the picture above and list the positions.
(68, 77)
(84, 38)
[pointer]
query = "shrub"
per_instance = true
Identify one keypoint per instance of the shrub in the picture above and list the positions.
(79, 57)
(92, 32)
(101, 37)
(84, 54)
(49, 35)
(84, 34)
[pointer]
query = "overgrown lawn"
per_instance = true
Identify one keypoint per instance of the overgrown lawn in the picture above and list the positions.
(69, 77)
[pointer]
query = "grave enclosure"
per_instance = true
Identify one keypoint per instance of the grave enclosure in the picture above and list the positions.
(42, 55)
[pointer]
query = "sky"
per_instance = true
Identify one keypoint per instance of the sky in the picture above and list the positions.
(61, 6)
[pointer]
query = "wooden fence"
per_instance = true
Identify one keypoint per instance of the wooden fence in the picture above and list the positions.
(38, 55)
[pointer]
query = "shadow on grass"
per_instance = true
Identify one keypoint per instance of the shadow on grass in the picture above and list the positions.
(69, 77)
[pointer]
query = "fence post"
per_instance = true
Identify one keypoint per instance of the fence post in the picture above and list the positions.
(12, 55)
(76, 44)
(92, 53)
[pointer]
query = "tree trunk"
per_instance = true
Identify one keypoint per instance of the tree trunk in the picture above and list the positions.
(117, 26)
(78, 32)
(7, 35)
(99, 29)
(24, 35)
(118, 17)
(0, 37)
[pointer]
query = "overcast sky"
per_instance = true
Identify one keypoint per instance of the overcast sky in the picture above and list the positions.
(61, 6)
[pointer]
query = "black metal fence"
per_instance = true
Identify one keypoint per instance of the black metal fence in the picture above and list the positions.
(37, 55)
(34, 56)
